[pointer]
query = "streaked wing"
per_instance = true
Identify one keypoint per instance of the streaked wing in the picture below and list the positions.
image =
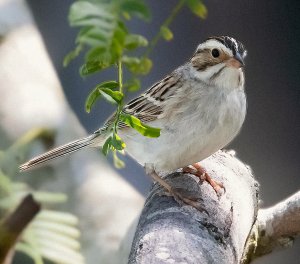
(149, 105)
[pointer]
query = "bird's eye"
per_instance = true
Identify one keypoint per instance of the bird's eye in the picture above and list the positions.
(215, 53)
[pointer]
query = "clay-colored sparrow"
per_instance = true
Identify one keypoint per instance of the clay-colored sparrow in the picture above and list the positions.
(200, 107)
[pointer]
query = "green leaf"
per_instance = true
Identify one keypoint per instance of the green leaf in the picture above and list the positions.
(136, 124)
(119, 164)
(95, 94)
(133, 41)
(93, 66)
(133, 85)
(131, 60)
(109, 84)
(166, 33)
(126, 15)
(84, 10)
(49, 197)
(198, 8)
(111, 96)
(106, 146)
(117, 142)
(5, 185)
(93, 37)
(99, 54)
(72, 55)
(137, 65)
(30, 251)
(59, 217)
(122, 27)
(103, 24)
(136, 8)
(145, 66)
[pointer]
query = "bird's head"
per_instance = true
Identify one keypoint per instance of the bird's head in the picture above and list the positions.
(220, 61)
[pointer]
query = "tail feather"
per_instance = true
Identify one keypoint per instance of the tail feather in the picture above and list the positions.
(59, 151)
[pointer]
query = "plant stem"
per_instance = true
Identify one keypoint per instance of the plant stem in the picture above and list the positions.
(32, 135)
(120, 106)
(120, 76)
(166, 23)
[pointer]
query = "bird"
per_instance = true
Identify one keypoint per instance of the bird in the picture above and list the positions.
(200, 108)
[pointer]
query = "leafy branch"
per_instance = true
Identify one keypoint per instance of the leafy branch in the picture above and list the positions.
(107, 42)
(165, 31)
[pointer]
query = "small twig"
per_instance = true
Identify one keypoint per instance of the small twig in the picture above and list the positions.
(13, 225)
(33, 134)
(120, 76)
(120, 105)
(166, 23)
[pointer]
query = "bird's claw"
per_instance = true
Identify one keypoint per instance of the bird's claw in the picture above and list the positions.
(200, 172)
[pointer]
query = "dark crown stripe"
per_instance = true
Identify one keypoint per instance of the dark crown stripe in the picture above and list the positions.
(231, 43)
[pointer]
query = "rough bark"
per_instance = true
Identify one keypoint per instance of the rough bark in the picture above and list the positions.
(279, 225)
(32, 96)
(172, 233)
(276, 228)
(230, 229)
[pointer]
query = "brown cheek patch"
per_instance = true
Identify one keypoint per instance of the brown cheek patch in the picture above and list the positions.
(203, 59)
(224, 56)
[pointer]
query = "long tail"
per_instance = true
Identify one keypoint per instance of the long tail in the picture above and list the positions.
(60, 151)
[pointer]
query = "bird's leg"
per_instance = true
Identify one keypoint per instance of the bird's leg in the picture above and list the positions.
(200, 172)
(177, 196)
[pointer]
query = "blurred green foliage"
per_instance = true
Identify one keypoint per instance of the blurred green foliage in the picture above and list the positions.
(52, 235)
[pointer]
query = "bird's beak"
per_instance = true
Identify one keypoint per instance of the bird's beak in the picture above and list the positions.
(239, 58)
(236, 62)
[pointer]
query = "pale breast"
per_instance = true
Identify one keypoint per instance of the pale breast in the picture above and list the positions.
(209, 128)
(192, 133)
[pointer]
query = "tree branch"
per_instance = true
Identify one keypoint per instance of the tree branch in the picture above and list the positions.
(170, 233)
(277, 227)
(13, 225)
(230, 230)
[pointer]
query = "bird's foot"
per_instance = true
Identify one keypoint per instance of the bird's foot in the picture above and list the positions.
(197, 170)
(177, 193)
(181, 198)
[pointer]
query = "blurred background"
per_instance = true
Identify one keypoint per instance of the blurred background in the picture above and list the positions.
(270, 30)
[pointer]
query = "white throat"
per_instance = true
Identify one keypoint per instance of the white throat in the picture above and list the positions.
(222, 76)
